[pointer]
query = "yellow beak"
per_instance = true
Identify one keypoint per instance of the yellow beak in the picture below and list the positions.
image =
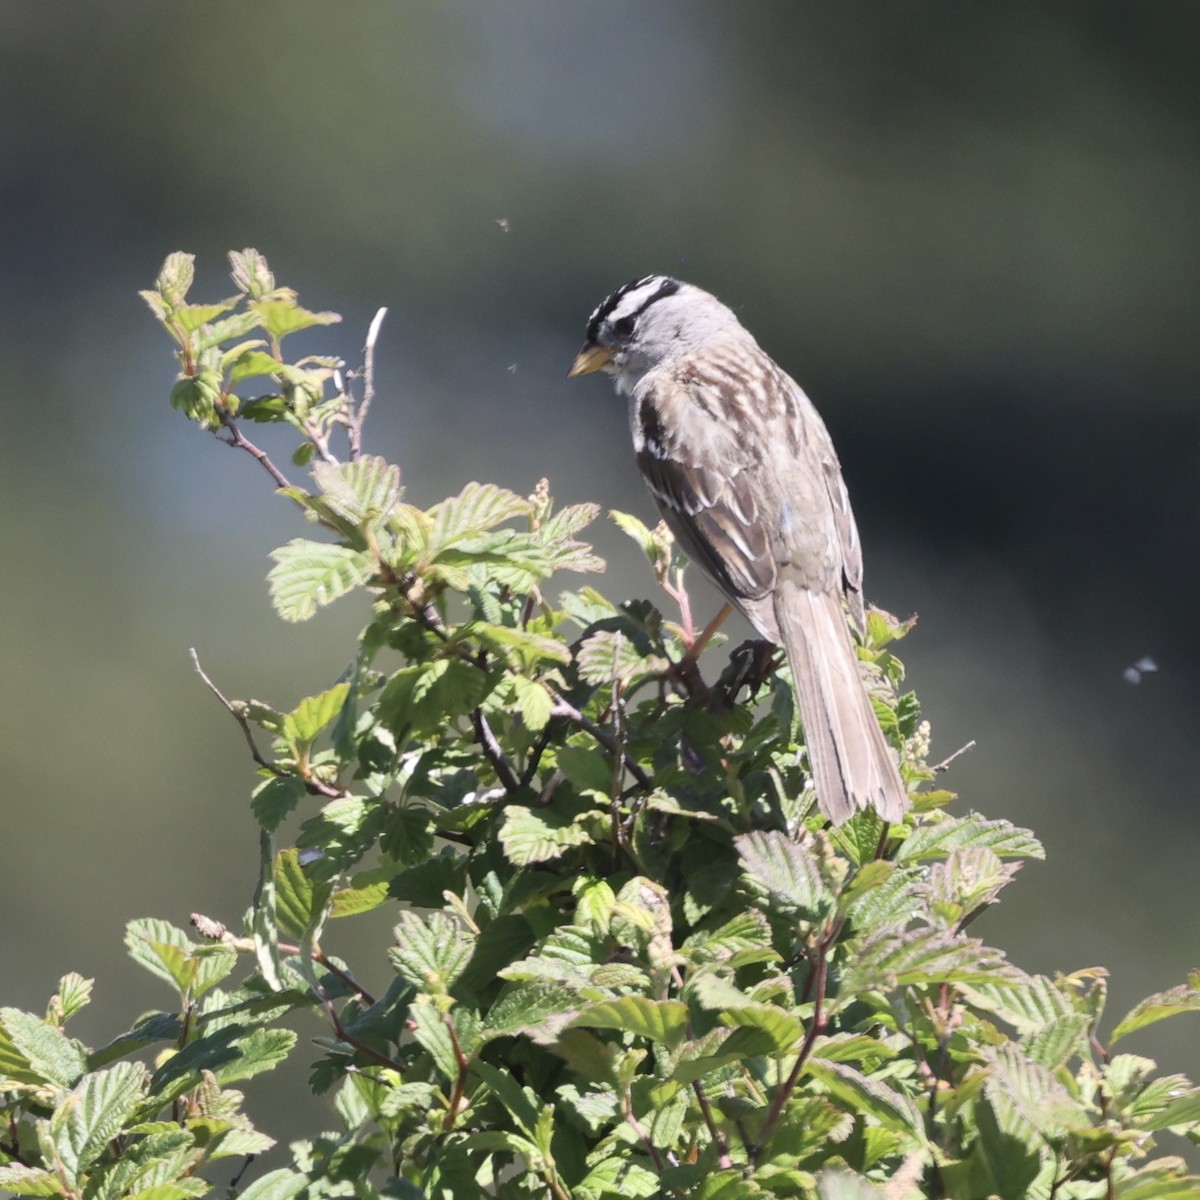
(589, 359)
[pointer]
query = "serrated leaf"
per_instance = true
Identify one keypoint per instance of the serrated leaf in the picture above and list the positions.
(1183, 1110)
(538, 1009)
(431, 951)
(94, 1112)
(29, 1181)
(175, 277)
(524, 650)
(299, 900)
(477, 508)
(1036, 1003)
(189, 317)
(304, 724)
(74, 992)
(1057, 1042)
(938, 839)
(786, 869)
(251, 363)
(610, 656)
(281, 315)
(308, 575)
(45, 1050)
(366, 489)
(785, 1031)
(160, 947)
(250, 273)
(260, 1050)
(366, 892)
(636, 529)
(528, 836)
(904, 958)
(661, 1021)
(871, 1097)
(275, 799)
(533, 703)
(430, 694)
(1181, 999)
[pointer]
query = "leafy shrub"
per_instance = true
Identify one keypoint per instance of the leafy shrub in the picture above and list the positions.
(630, 959)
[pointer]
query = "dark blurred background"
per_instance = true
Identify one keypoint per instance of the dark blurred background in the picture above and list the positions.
(970, 231)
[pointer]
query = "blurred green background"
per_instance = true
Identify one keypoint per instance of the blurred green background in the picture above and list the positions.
(970, 232)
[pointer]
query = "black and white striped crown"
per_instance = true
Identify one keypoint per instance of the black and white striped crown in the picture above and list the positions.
(622, 309)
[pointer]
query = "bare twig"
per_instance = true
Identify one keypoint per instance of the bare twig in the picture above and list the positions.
(947, 761)
(316, 787)
(236, 713)
(358, 420)
(239, 441)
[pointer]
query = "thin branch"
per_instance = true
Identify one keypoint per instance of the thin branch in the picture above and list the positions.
(947, 761)
(642, 1135)
(358, 420)
(724, 1161)
(315, 787)
(235, 712)
(564, 709)
(493, 752)
(239, 441)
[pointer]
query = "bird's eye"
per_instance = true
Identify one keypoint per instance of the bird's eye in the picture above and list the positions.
(624, 326)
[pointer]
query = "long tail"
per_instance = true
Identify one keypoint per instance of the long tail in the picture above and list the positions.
(852, 764)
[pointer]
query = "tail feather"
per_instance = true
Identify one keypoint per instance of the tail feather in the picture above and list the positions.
(852, 764)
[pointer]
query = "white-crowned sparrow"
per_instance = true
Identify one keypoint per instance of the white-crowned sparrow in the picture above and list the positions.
(745, 474)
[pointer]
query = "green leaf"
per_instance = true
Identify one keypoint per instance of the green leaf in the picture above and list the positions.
(160, 947)
(477, 508)
(904, 958)
(432, 951)
(275, 799)
(523, 649)
(533, 703)
(662, 1021)
(74, 992)
(1181, 999)
(299, 901)
(93, 1113)
(538, 1010)
(870, 1097)
(252, 363)
(29, 1181)
(937, 838)
(587, 769)
(176, 277)
(529, 837)
(260, 1050)
(282, 1184)
(308, 575)
(611, 656)
(45, 1052)
(361, 491)
(786, 869)
(281, 315)
(189, 317)
(427, 1024)
(250, 273)
(303, 725)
